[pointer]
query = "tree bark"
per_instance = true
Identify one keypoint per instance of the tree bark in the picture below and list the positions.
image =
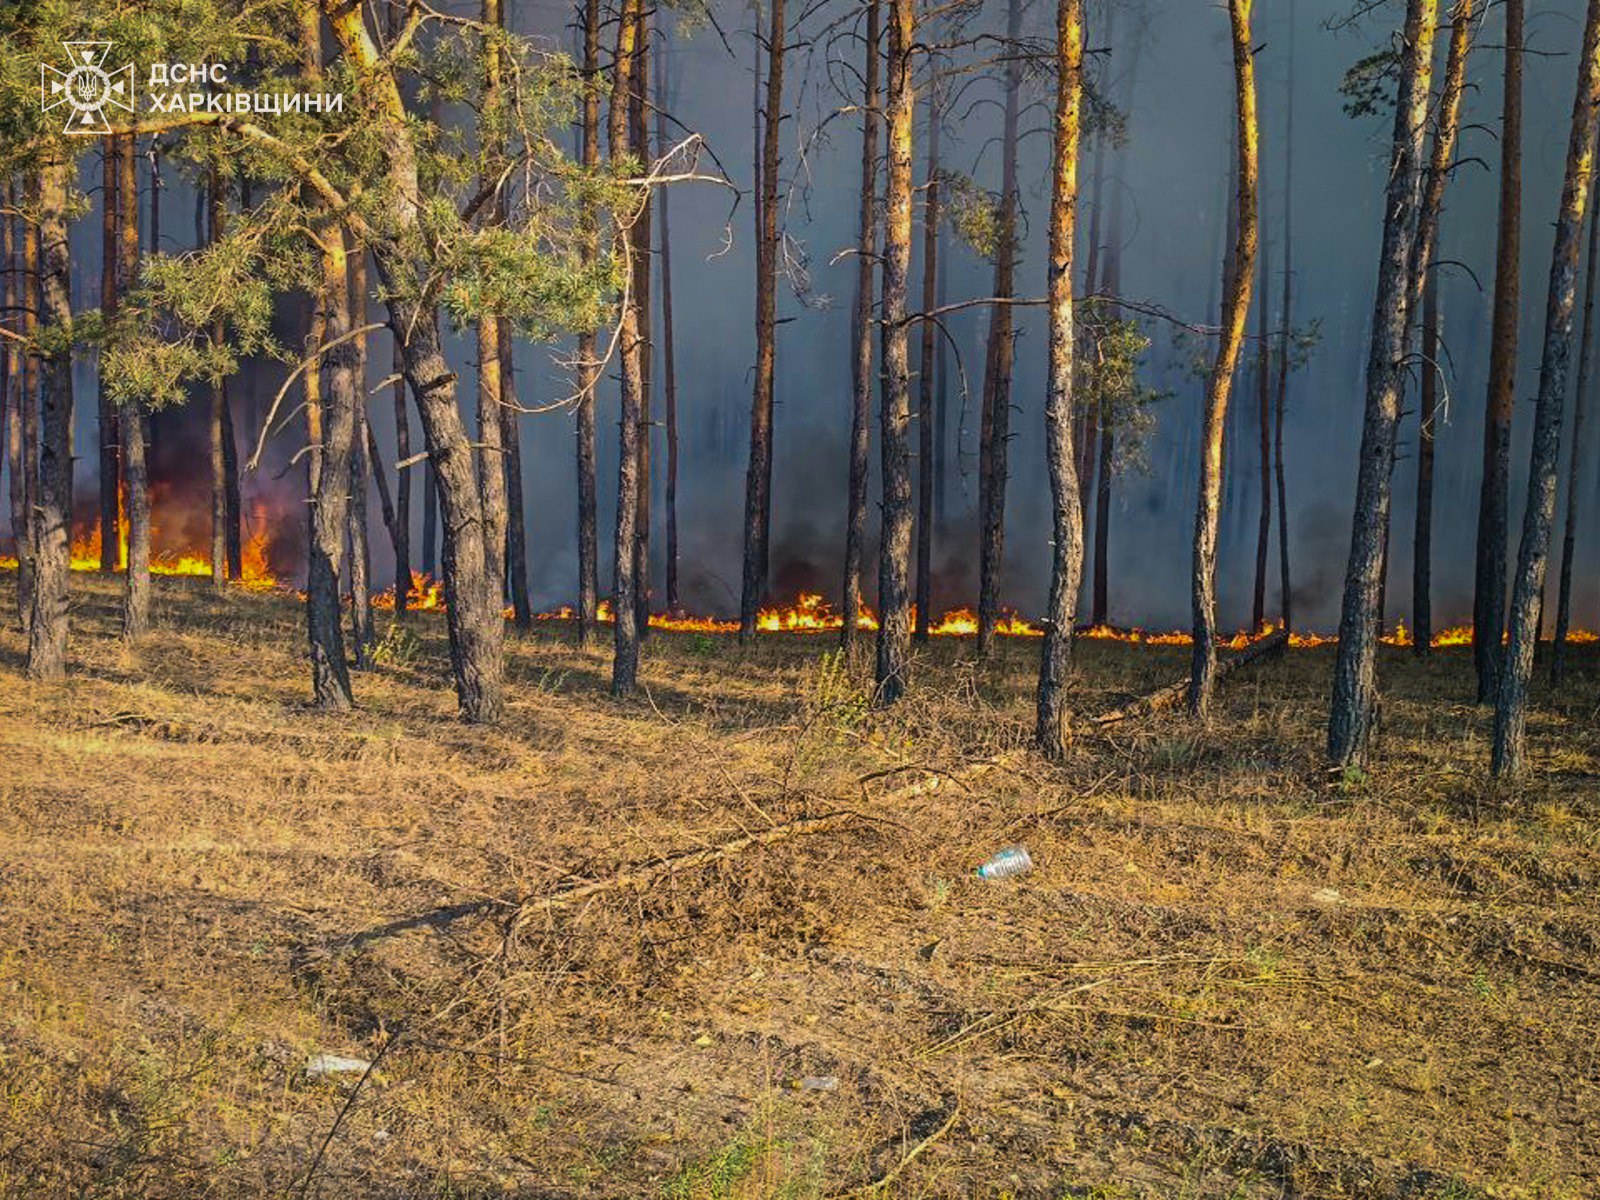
(1489, 588)
(329, 514)
(1422, 546)
(110, 256)
(1236, 308)
(1066, 560)
(995, 430)
(1511, 712)
(219, 470)
(363, 633)
(474, 622)
(668, 360)
(926, 418)
(52, 509)
(136, 483)
(861, 333)
(1355, 677)
(625, 630)
(400, 530)
(516, 516)
(894, 553)
(491, 384)
(17, 396)
(1086, 438)
(1285, 590)
(758, 483)
(1258, 607)
(588, 361)
(639, 138)
(1580, 418)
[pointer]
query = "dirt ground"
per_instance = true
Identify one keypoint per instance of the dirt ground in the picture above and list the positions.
(1230, 975)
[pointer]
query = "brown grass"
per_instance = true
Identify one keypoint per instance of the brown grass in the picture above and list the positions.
(1229, 975)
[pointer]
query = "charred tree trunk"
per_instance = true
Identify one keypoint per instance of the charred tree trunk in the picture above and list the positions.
(995, 430)
(19, 447)
(1580, 417)
(861, 333)
(1355, 692)
(1236, 308)
(1422, 552)
(926, 418)
(758, 484)
(668, 359)
(110, 256)
(588, 360)
(52, 510)
(1066, 563)
(1489, 588)
(894, 554)
(625, 629)
(1511, 712)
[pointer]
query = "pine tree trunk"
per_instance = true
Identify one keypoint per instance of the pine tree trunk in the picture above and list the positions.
(1086, 438)
(1258, 608)
(1236, 308)
(1422, 552)
(1580, 418)
(668, 361)
(639, 137)
(363, 632)
(1577, 192)
(473, 617)
(330, 676)
(588, 362)
(52, 510)
(21, 418)
(625, 629)
(1066, 563)
(400, 532)
(1285, 590)
(219, 471)
(16, 397)
(230, 474)
(110, 215)
(894, 554)
(516, 515)
(925, 370)
(430, 510)
(1355, 693)
(758, 483)
(136, 432)
(861, 375)
(491, 396)
(1489, 588)
(995, 432)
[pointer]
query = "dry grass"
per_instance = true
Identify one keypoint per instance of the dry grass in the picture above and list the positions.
(1229, 975)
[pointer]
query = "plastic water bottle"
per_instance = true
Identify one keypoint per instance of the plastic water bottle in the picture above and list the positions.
(1010, 862)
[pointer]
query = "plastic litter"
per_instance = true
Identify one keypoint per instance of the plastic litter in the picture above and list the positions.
(1009, 863)
(334, 1064)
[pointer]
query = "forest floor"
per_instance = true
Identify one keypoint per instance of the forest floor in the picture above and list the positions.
(1230, 975)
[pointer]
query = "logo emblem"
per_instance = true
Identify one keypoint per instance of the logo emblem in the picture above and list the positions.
(86, 87)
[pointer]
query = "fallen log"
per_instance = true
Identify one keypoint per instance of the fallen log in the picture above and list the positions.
(1174, 693)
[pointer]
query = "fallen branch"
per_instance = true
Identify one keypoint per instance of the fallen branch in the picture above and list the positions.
(879, 1184)
(1173, 693)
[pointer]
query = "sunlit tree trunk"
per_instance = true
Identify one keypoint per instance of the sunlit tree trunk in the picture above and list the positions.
(33, 369)
(135, 436)
(995, 428)
(1236, 308)
(758, 483)
(639, 138)
(625, 630)
(1580, 413)
(1066, 559)
(491, 398)
(52, 510)
(1511, 711)
(19, 294)
(926, 419)
(400, 530)
(861, 331)
(894, 553)
(1355, 690)
(588, 361)
(1489, 587)
(110, 215)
